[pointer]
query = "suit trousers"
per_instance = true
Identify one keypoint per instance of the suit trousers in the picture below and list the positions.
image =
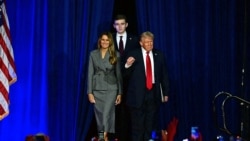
(143, 118)
(123, 117)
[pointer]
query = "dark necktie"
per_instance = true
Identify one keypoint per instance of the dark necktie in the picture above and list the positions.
(149, 72)
(121, 48)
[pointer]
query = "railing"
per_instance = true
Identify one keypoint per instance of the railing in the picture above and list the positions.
(226, 97)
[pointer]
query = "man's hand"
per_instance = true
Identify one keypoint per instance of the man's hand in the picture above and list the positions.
(130, 61)
(165, 99)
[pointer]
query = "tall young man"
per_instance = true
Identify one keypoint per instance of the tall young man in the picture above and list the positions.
(124, 43)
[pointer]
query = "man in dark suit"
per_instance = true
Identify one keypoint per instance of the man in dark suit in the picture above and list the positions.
(124, 42)
(147, 87)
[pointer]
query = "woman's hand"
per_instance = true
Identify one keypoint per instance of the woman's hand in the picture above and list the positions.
(91, 98)
(118, 99)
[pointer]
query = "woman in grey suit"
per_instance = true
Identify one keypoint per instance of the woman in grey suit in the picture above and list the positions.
(105, 83)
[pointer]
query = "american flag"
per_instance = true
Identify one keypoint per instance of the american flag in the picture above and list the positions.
(7, 65)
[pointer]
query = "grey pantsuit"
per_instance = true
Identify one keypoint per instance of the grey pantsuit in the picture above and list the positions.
(104, 82)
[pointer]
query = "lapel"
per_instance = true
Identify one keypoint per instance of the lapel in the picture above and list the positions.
(103, 62)
(116, 43)
(155, 55)
(127, 42)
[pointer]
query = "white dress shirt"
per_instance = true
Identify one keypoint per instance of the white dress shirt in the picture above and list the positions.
(144, 52)
(124, 38)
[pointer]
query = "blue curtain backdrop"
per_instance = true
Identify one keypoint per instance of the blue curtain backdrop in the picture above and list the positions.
(203, 43)
(206, 44)
(28, 96)
(51, 42)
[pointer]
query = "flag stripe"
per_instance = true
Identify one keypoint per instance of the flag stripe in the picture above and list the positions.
(7, 65)
(7, 58)
(5, 20)
(5, 33)
(4, 100)
(5, 71)
(4, 93)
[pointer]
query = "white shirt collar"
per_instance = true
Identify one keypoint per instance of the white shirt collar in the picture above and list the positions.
(123, 35)
(144, 51)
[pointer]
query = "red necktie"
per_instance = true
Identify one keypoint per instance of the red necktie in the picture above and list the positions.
(121, 45)
(148, 72)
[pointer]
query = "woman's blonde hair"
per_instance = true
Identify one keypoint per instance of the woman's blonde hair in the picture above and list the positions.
(111, 49)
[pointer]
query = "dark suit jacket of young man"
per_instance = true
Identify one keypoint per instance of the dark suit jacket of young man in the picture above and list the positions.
(137, 81)
(132, 42)
(122, 114)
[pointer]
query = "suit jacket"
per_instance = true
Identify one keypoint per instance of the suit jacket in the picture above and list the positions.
(132, 42)
(137, 78)
(102, 75)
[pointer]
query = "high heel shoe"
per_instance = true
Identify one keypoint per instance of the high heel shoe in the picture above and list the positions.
(101, 136)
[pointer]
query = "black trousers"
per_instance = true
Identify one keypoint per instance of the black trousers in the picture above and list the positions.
(122, 121)
(143, 118)
(123, 124)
